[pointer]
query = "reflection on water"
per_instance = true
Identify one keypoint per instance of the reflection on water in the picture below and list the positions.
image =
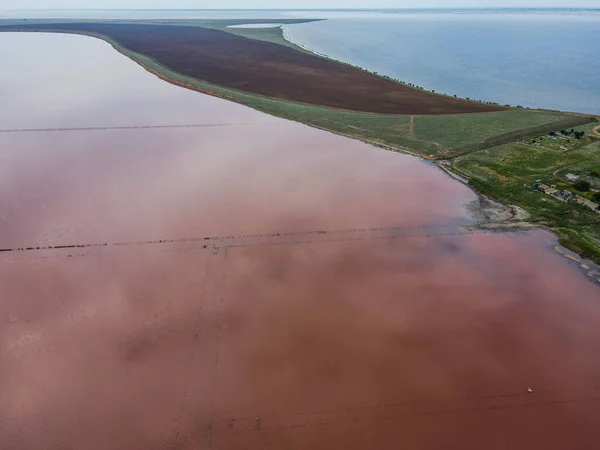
(247, 267)
(239, 172)
(78, 90)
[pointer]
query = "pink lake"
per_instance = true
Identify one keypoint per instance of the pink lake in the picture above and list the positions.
(226, 279)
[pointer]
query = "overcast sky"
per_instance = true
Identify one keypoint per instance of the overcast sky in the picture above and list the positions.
(225, 4)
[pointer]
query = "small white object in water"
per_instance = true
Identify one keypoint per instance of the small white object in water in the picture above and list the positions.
(529, 390)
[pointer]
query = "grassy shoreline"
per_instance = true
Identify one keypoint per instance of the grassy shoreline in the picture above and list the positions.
(506, 173)
(570, 235)
(454, 138)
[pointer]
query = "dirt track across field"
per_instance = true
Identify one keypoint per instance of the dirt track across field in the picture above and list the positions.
(269, 69)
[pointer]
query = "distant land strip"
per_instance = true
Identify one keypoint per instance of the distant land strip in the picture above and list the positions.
(265, 68)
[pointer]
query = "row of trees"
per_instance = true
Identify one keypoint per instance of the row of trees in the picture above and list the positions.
(582, 185)
(585, 186)
(571, 132)
(416, 86)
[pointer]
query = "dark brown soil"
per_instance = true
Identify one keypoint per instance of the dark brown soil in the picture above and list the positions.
(270, 69)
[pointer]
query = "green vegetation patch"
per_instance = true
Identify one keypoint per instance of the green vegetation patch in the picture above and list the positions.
(508, 171)
(376, 128)
(463, 133)
(273, 35)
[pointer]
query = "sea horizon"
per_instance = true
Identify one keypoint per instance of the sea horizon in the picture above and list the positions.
(504, 9)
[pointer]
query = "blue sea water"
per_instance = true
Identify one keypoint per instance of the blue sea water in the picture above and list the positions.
(535, 58)
(547, 59)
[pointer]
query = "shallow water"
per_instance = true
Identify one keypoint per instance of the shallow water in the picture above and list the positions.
(230, 265)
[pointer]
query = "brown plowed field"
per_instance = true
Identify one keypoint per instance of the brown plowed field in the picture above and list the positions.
(271, 69)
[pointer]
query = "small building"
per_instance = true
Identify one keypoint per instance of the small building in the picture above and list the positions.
(565, 196)
(590, 204)
(571, 177)
(542, 187)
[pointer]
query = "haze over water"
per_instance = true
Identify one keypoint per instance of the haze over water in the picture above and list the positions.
(230, 265)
